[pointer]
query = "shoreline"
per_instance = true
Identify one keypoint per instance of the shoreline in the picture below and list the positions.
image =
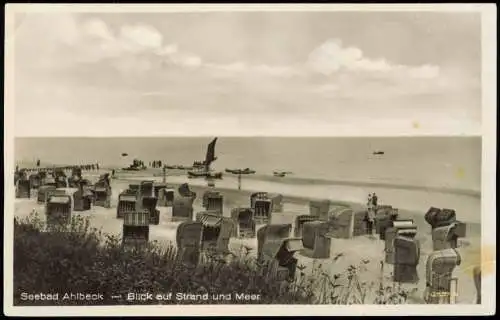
(297, 180)
(417, 215)
(333, 182)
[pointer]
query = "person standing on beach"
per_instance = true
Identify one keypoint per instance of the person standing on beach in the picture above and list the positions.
(370, 214)
(374, 200)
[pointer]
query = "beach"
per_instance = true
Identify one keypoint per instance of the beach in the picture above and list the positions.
(412, 204)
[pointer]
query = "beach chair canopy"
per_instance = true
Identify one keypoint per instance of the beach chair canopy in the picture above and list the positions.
(68, 191)
(272, 247)
(126, 197)
(87, 193)
(158, 187)
(260, 194)
(341, 215)
(184, 189)
(85, 182)
(319, 205)
(243, 214)
(46, 188)
(278, 231)
(446, 257)
(402, 224)
(438, 217)
(59, 200)
(408, 232)
(210, 220)
(183, 201)
(293, 244)
(189, 234)
(131, 192)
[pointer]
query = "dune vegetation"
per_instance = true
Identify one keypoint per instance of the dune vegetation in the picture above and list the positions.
(81, 259)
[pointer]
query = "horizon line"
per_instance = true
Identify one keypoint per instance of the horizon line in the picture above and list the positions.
(262, 136)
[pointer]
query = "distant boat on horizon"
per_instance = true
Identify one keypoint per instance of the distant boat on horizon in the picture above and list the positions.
(241, 171)
(281, 174)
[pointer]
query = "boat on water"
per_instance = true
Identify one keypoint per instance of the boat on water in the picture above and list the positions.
(178, 167)
(137, 165)
(201, 169)
(204, 174)
(281, 174)
(132, 169)
(241, 171)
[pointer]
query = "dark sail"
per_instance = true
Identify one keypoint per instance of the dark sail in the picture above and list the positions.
(211, 153)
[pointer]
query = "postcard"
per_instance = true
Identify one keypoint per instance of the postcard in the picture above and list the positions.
(209, 159)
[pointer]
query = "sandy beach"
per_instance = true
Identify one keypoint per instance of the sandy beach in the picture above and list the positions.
(296, 203)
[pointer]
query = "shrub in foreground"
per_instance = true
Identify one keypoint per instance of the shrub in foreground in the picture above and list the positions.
(80, 259)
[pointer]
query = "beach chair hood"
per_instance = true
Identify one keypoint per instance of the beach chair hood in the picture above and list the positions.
(210, 220)
(189, 234)
(440, 217)
(57, 199)
(278, 231)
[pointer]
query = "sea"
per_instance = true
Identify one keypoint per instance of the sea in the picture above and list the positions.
(420, 167)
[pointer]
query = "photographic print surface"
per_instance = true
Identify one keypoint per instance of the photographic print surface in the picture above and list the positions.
(244, 157)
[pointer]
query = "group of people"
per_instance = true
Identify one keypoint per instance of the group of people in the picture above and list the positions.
(371, 209)
(87, 167)
(155, 164)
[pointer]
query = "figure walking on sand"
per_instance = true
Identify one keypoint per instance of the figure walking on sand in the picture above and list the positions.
(370, 213)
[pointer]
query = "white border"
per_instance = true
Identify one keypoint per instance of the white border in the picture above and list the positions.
(488, 217)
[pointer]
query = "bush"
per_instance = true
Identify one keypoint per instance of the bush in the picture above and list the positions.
(79, 259)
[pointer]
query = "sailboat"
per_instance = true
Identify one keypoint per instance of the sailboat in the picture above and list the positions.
(203, 169)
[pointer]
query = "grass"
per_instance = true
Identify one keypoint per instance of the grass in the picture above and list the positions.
(79, 259)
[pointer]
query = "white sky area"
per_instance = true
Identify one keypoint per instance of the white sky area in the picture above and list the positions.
(247, 73)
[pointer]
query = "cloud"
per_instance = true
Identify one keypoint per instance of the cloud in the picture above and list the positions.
(62, 40)
(130, 45)
(130, 67)
(331, 57)
(140, 38)
(167, 50)
(240, 68)
(97, 28)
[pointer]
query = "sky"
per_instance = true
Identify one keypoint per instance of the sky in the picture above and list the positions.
(247, 73)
